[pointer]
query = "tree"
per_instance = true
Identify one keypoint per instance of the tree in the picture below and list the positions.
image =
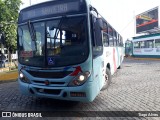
(9, 10)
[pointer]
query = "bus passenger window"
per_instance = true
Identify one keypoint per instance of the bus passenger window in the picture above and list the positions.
(157, 43)
(142, 43)
(119, 41)
(137, 45)
(111, 42)
(111, 37)
(105, 39)
(149, 44)
(115, 38)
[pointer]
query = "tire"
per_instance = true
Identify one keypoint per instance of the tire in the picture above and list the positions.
(119, 67)
(108, 79)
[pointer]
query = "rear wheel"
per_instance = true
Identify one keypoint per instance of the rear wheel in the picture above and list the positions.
(119, 67)
(108, 78)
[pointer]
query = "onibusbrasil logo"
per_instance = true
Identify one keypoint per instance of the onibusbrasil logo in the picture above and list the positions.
(20, 114)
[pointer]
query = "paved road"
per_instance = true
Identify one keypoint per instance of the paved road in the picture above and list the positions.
(135, 87)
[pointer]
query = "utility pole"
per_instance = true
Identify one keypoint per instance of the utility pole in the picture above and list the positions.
(134, 17)
(30, 2)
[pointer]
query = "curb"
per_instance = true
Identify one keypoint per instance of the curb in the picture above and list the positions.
(6, 77)
(156, 59)
(7, 69)
(6, 81)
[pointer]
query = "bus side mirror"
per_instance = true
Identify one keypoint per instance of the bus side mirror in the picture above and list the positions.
(99, 22)
(98, 48)
(98, 32)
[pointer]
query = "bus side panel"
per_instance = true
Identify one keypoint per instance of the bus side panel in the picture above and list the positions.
(109, 59)
(120, 55)
(98, 68)
(114, 57)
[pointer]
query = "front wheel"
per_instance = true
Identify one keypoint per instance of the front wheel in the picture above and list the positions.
(119, 67)
(108, 79)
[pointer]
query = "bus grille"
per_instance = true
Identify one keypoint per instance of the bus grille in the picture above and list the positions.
(41, 74)
(51, 83)
(48, 91)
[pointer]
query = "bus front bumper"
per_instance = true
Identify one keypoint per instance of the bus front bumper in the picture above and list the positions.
(84, 93)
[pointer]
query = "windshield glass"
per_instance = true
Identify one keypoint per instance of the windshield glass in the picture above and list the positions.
(65, 43)
(31, 52)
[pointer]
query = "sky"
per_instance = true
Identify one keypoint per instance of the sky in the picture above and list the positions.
(119, 13)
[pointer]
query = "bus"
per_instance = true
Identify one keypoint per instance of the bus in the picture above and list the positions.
(66, 51)
(128, 48)
(147, 46)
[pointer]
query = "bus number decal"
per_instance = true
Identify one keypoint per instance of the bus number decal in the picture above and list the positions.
(26, 54)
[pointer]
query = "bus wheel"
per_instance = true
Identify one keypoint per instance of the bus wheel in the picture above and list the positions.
(119, 67)
(108, 78)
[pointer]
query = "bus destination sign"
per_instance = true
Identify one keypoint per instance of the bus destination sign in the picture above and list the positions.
(48, 10)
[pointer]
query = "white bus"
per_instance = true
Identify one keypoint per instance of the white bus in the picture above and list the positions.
(147, 46)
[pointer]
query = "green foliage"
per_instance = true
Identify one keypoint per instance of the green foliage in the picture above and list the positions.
(9, 10)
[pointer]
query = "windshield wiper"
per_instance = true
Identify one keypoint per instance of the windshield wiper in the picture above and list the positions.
(58, 29)
(32, 31)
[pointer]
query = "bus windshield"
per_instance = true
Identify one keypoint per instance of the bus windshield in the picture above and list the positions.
(59, 42)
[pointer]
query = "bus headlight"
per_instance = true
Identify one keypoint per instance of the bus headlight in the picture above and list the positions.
(80, 79)
(23, 78)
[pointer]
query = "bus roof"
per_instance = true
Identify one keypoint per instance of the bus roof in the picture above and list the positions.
(146, 36)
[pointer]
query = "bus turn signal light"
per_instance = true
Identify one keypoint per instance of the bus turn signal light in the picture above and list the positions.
(78, 94)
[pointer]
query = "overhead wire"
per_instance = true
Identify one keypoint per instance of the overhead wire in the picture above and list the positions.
(132, 20)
